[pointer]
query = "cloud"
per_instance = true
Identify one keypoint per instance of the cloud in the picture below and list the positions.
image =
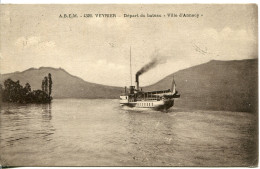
(35, 42)
(226, 44)
(106, 72)
(105, 63)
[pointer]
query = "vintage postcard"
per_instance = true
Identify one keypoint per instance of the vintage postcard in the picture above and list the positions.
(129, 85)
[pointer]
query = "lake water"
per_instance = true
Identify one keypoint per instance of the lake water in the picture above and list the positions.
(83, 132)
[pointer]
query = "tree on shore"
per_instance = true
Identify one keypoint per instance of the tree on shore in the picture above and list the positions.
(46, 84)
(50, 84)
(43, 85)
(1, 92)
(27, 88)
(14, 92)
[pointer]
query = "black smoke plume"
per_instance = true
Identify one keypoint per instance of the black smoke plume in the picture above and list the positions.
(148, 66)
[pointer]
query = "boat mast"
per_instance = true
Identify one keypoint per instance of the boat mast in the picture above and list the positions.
(130, 67)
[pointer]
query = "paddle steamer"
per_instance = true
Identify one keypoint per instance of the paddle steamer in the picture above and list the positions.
(134, 96)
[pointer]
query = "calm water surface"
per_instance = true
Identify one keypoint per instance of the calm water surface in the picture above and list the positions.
(82, 132)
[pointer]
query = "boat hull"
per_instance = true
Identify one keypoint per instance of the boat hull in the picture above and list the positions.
(156, 105)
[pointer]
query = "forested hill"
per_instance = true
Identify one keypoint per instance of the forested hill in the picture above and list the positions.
(216, 85)
(65, 85)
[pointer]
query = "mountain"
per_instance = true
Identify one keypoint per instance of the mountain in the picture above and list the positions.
(65, 85)
(216, 85)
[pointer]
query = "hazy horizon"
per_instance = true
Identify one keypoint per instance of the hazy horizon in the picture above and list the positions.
(97, 48)
(48, 67)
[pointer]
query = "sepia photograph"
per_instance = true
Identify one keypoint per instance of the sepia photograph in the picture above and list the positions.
(128, 85)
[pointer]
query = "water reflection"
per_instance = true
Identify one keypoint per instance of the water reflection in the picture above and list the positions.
(28, 122)
(47, 129)
(100, 133)
(149, 133)
(46, 111)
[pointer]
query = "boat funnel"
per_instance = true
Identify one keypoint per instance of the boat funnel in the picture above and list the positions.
(137, 82)
(132, 89)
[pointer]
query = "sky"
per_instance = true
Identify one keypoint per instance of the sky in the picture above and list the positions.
(98, 49)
